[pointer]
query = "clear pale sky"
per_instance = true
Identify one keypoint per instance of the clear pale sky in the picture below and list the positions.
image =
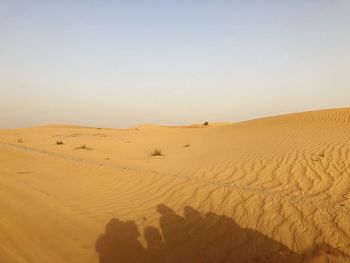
(123, 63)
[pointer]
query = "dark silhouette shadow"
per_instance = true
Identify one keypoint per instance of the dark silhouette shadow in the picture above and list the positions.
(119, 243)
(195, 237)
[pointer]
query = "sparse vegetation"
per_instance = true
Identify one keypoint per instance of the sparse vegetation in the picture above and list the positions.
(83, 147)
(187, 145)
(157, 152)
(19, 140)
(206, 123)
(59, 143)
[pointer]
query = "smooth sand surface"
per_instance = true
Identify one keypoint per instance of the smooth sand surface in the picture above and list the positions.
(268, 190)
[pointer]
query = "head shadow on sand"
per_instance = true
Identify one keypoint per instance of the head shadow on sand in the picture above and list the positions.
(196, 237)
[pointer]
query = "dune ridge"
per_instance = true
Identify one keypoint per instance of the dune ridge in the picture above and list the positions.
(278, 186)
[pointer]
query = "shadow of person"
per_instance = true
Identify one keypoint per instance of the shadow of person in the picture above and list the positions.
(171, 225)
(195, 237)
(119, 239)
(155, 246)
(216, 238)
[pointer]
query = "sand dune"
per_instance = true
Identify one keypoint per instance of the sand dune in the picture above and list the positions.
(274, 189)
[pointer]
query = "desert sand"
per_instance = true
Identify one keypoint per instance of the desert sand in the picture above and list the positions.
(275, 189)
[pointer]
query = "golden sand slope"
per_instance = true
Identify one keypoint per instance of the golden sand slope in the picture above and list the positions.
(268, 190)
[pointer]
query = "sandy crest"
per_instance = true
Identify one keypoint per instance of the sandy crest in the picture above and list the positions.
(274, 189)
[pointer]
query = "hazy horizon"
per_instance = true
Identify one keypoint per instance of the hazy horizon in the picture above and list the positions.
(117, 64)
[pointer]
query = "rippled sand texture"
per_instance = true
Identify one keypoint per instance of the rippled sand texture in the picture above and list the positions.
(268, 190)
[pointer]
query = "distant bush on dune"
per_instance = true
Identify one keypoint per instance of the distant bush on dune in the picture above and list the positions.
(83, 147)
(157, 152)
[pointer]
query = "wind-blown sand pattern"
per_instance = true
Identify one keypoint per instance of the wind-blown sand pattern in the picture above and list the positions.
(268, 190)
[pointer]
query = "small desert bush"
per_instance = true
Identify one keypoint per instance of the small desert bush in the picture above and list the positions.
(19, 140)
(206, 123)
(187, 145)
(83, 147)
(157, 152)
(59, 143)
